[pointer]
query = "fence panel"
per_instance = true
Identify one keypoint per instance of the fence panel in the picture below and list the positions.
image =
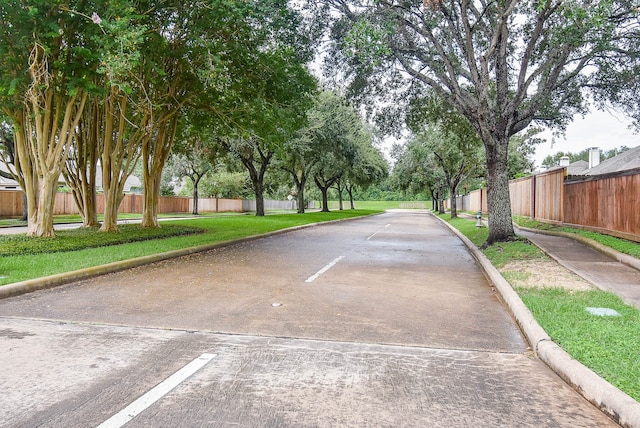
(10, 203)
(173, 204)
(213, 205)
(549, 196)
(609, 204)
(65, 204)
(520, 193)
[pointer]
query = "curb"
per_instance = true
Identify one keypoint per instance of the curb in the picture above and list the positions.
(28, 286)
(610, 400)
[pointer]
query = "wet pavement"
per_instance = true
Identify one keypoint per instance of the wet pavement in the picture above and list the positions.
(382, 321)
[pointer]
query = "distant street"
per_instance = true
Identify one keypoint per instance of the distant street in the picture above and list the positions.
(382, 321)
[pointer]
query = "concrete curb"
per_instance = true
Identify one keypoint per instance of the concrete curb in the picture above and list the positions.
(610, 400)
(618, 256)
(28, 286)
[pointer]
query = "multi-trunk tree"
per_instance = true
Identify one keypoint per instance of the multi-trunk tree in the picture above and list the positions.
(45, 78)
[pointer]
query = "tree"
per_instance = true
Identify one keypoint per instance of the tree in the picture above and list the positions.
(335, 133)
(445, 133)
(456, 156)
(370, 167)
(195, 154)
(416, 170)
(265, 104)
(503, 65)
(81, 167)
(45, 76)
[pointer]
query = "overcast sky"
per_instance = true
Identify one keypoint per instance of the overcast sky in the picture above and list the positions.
(598, 129)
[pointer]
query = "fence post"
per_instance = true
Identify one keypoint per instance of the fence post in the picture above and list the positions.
(533, 197)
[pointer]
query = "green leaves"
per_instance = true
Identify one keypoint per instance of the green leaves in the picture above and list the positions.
(367, 43)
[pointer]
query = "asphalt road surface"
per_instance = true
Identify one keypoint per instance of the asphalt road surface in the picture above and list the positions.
(383, 321)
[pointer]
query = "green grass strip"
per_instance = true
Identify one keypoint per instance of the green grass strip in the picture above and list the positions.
(610, 346)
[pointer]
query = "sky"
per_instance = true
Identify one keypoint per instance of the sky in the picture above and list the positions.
(598, 129)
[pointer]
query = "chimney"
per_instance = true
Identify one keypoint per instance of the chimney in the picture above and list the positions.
(564, 161)
(594, 157)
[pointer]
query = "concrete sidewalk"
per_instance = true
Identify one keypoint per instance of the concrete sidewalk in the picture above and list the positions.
(605, 271)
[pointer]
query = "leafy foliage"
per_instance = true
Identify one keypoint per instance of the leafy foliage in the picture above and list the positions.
(503, 65)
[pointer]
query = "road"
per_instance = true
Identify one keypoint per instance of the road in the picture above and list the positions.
(382, 321)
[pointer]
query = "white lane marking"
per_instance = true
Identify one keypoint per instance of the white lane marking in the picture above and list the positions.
(134, 409)
(375, 233)
(323, 270)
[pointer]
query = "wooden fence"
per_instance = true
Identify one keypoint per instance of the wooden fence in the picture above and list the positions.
(607, 204)
(11, 204)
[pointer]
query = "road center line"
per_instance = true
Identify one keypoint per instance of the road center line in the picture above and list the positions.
(376, 232)
(324, 269)
(159, 391)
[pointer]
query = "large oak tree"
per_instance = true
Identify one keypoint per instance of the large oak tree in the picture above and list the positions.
(502, 64)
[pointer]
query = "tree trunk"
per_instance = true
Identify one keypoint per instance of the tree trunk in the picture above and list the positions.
(325, 199)
(454, 204)
(324, 185)
(155, 151)
(350, 193)
(453, 188)
(434, 200)
(25, 207)
(151, 199)
(90, 217)
(196, 181)
(46, 200)
(498, 200)
(300, 184)
(441, 209)
(112, 198)
(258, 190)
(80, 170)
(49, 134)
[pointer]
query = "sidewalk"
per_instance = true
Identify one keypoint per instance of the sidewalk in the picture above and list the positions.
(603, 271)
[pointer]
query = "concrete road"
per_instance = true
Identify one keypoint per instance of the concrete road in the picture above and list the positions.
(383, 321)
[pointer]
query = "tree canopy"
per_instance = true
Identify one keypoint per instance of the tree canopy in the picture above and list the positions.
(503, 65)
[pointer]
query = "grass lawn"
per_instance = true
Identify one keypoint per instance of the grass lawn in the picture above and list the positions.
(610, 346)
(48, 256)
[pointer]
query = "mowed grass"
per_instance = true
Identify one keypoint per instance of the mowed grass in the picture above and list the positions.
(50, 261)
(610, 346)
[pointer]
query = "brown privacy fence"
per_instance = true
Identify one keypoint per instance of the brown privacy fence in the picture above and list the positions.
(11, 204)
(608, 203)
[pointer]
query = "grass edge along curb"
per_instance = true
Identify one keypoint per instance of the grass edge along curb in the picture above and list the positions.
(619, 406)
(27, 286)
